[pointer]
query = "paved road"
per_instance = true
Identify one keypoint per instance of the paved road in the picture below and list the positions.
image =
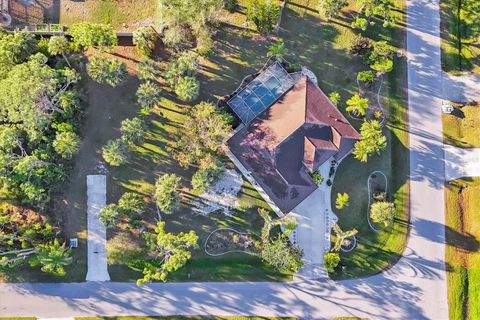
(413, 289)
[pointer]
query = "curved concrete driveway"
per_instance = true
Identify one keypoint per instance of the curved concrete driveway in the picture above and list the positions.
(414, 288)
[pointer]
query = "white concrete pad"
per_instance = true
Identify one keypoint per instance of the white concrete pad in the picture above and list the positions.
(97, 233)
(461, 162)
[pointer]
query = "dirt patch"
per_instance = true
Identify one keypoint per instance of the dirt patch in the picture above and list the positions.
(223, 241)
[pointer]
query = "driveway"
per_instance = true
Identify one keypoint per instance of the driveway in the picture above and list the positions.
(461, 162)
(415, 288)
(96, 232)
(310, 233)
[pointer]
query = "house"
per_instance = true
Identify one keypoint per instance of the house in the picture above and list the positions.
(295, 130)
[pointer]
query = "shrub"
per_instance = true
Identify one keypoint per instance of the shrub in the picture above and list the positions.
(115, 153)
(366, 76)
(263, 13)
(110, 215)
(187, 89)
(343, 200)
(335, 97)
(360, 46)
(329, 182)
(145, 39)
(317, 178)
(331, 261)
(86, 35)
(331, 172)
(204, 44)
(281, 255)
(103, 70)
(383, 212)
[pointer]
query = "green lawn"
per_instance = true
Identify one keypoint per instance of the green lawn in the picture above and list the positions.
(121, 14)
(321, 46)
(462, 251)
(459, 52)
(461, 128)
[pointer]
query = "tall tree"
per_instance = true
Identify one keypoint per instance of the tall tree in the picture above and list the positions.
(59, 45)
(116, 152)
(105, 70)
(171, 252)
(180, 19)
(372, 141)
(15, 48)
(202, 138)
(263, 13)
(133, 130)
(167, 192)
(148, 95)
(66, 144)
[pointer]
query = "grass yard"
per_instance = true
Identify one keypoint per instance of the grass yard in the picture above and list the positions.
(461, 128)
(459, 52)
(121, 14)
(462, 251)
(322, 47)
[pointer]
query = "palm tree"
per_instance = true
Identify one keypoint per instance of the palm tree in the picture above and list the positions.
(342, 236)
(53, 257)
(357, 105)
(289, 224)
(277, 50)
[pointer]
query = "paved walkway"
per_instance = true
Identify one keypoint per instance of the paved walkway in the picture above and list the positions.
(464, 88)
(97, 234)
(415, 288)
(461, 162)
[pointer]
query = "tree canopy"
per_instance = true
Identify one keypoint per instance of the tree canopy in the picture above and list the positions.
(106, 70)
(372, 141)
(201, 141)
(263, 13)
(86, 35)
(167, 192)
(179, 19)
(171, 252)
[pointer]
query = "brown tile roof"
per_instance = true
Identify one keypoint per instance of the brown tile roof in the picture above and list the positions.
(300, 131)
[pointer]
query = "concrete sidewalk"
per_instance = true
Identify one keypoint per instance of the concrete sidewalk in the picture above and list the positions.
(461, 162)
(97, 233)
